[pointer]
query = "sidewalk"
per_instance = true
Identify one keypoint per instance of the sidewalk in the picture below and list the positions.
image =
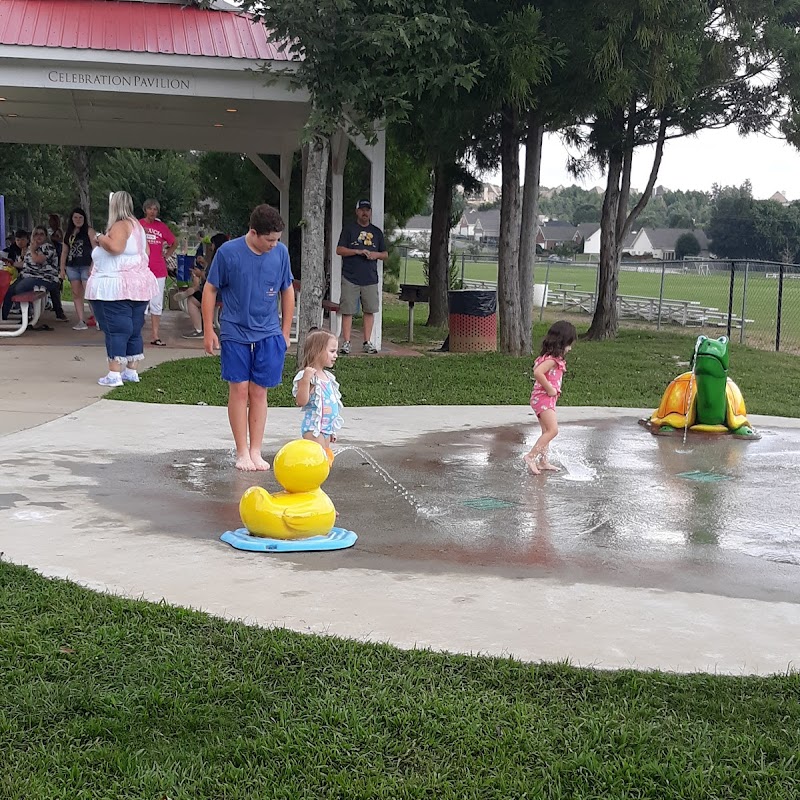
(47, 374)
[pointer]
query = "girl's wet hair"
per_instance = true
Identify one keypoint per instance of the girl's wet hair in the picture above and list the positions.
(560, 336)
(315, 345)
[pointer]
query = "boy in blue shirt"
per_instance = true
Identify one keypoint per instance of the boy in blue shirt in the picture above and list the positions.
(249, 274)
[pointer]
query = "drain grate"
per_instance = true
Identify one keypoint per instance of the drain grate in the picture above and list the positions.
(486, 503)
(703, 477)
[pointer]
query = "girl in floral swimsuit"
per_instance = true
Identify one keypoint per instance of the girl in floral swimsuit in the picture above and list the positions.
(316, 390)
(548, 373)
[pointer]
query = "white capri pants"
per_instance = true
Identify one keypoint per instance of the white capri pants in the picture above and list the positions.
(156, 305)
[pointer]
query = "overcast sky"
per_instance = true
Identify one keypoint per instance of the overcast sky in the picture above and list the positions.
(696, 163)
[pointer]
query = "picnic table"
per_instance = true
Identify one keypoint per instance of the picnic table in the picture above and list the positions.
(31, 307)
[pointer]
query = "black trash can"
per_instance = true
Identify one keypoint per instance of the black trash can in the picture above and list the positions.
(473, 320)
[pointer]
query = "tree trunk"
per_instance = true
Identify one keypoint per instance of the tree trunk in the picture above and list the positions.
(616, 224)
(527, 238)
(605, 322)
(81, 169)
(313, 255)
(439, 257)
(508, 292)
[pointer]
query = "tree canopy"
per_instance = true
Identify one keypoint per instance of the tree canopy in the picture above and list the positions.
(744, 228)
(35, 179)
(167, 176)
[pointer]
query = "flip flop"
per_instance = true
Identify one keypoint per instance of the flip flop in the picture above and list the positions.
(158, 343)
(40, 328)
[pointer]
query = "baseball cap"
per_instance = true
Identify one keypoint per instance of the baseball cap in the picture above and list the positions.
(363, 204)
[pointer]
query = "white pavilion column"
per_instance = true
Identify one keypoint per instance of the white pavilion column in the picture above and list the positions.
(376, 155)
(339, 145)
(377, 198)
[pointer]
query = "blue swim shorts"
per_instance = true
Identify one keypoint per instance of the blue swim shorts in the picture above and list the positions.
(259, 362)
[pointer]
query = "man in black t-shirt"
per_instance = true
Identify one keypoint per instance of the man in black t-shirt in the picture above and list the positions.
(361, 246)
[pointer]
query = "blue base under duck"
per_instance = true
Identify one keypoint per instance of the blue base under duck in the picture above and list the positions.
(337, 539)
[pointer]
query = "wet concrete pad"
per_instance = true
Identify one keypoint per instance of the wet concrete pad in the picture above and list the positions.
(626, 509)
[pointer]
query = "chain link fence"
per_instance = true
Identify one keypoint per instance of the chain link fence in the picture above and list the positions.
(756, 303)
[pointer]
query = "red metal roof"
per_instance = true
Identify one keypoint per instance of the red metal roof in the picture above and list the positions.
(134, 27)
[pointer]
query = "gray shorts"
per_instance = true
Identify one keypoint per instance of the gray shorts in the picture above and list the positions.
(78, 273)
(370, 298)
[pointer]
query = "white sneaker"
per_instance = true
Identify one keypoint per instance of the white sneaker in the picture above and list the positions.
(81, 326)
(369, 348)
(112, 379)
(130, 375)
(345, 349)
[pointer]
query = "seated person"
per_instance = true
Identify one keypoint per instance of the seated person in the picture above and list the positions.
(18, 247)
(194, 293)
(38, 266)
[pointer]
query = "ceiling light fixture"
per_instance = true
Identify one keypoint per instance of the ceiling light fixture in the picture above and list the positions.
(12, 115)
(2, 99)
(218, 125)
(231, 110)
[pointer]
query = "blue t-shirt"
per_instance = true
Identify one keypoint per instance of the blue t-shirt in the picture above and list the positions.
(249, 287)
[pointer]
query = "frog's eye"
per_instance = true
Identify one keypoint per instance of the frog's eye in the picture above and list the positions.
(723, 340)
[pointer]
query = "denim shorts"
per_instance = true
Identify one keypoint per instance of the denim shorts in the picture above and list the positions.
(79, 273)
(259, 362)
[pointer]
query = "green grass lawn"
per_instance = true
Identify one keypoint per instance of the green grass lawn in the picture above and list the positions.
(630, 371)
(758, 302)
(103, 698)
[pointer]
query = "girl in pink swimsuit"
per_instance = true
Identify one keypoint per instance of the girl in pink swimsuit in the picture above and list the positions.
(548, 372)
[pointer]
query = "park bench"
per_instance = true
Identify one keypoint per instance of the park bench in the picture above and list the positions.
(561, 285)
(31, 306)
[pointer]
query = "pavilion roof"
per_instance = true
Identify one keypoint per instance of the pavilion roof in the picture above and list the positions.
(135, 27)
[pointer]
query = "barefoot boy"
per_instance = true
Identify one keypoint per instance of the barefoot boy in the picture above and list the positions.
(250, 274)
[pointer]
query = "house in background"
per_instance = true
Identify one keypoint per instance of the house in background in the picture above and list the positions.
(780, 197)
(591, 243)
(416, 226)
(487, 227)
(488, 193)
(585, 231)
(659, 243)
(550, 235)
(466, 225)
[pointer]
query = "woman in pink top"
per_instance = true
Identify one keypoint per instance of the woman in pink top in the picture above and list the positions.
(120, 287)
(548, 372)
(158, 235)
